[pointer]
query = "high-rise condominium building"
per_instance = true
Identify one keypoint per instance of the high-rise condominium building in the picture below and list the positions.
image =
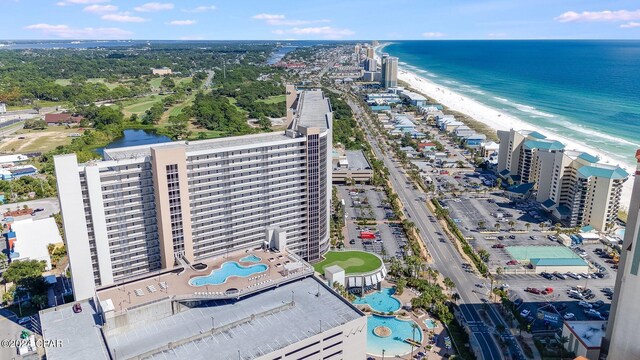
(572, 185)
(389, 71)
(151, 207)
(621, 340)
(370, 52)
(370, 64)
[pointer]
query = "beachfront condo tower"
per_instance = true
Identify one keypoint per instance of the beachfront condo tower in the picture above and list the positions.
(571, 185)
(620, 340)
(152, 207)
(389, 71)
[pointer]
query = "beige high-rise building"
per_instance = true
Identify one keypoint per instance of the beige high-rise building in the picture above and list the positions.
(370, 53)
(621, 341)
(572, 185)
(389, 71)
(152, 207)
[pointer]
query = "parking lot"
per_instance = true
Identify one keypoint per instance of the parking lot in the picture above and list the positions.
(366, 202)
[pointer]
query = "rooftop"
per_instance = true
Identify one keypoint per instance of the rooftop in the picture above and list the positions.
(588, 157)
(33, 237)
(604, 171)
(356, 160)
(523, 253)
(590, 333)
(544, 144)
(313, 110)
(558, 262)
(281, 267)
(353, 262)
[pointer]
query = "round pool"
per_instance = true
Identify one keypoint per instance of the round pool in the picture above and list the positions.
(382, 301)
(393, 344)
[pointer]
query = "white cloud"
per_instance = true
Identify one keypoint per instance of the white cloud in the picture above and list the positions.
(630, 25)
(606, 15)
(154, 6)
(200, 9)
(280, 20)
(124, 17)
(327, 32)
(267, 17)
(80, 2)
(433, 34)
(181, 22)
(100, 9)
(67, 32)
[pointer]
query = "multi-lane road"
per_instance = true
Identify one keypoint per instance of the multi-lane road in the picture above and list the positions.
(446, 259)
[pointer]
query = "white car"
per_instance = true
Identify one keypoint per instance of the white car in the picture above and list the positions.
(525, 312)
(585, 304)
(569, 316)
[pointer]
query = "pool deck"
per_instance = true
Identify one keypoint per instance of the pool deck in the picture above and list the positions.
(437, 350)
(174, 283)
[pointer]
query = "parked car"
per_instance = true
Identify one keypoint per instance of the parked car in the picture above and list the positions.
(498, 246)
(560, 276)
(584, 304)
(512, 237)
(547, 291)
(524, 313)
(24, 320)
(512, 262)
(532, 290)
(569, 316)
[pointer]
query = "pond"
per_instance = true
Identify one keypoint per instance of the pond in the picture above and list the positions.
(279, 53)
(135, 138)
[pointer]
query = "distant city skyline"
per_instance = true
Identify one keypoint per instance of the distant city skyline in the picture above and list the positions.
(329, 20)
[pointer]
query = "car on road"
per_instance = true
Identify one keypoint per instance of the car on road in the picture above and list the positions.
(352, 241)
(524, 313)
(569, 316)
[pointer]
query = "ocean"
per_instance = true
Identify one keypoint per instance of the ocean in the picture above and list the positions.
(588, 91)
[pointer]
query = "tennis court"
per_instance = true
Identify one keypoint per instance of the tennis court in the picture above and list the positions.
(525, 253)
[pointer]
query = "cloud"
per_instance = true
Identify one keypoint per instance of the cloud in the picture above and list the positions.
(125, 17)
(80, 2)
(497, 34)
(181, 22)
(280, 20)
(154, 6)
(606, 15)
(267, 17)
(433, 34)
(630, 25)
(200, 9)
(67, 32)
(327, 32)
(100, 9)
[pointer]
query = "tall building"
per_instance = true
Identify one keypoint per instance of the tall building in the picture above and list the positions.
(370, 52)
(572, 185)
(370, 64)
(152, 207)
(621, 340)
(389, 71)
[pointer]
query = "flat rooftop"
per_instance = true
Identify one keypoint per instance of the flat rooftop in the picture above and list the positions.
(244, 329)
(526, 253)
(313, 110)
(356, 160)
(175, 283)
(81, 337)
(141, 151)
(590, 333)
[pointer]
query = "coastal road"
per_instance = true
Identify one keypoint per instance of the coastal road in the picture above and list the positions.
(446, 258)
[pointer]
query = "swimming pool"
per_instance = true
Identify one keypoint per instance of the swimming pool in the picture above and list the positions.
(620, 233)
(393, 344)
(382, 300)
(430, 324)
(227, 270)
(251, 258)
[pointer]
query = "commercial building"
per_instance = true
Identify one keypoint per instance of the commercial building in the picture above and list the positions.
(584, 337)
(620, 341)
(294, 319)
(153, 207)
(29, 240)
(161, 71)
(350, 164)
(413, 98)
(571, 185)
(370, 64)
(389, 71)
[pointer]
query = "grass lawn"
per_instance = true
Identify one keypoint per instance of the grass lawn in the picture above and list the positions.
(38, 140)
(352, 262)
(273, 99)
(155, 82)
(67, 82)
(42, 103)
(140, 105)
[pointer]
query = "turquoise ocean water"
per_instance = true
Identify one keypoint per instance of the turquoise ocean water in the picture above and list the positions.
(588, 91)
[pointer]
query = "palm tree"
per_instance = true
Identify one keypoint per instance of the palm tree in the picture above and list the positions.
(527, 225)
(481, 224)
(563, 340)
(542, 225)
(497, 226)
(414, 326)
(455, 297)
(449, 284)
(556, 228)
(511, 223)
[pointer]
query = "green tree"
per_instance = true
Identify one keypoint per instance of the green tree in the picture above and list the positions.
(264, 122)
(19, 270)
(563, 341)
(448, 283)
(178, 127)
(167, 83)
(497, 226)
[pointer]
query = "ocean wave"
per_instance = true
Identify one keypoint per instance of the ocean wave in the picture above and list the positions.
(476, 91)
(501, 99)
(595, 136)
(532, 110)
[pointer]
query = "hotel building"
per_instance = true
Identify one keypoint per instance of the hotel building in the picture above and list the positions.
(621, 341)
(389, 71)
(572, 185)
(153, 207)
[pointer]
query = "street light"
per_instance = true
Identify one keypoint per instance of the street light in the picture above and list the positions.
(383, 354)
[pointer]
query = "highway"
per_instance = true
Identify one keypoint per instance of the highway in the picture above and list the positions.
(446, 259)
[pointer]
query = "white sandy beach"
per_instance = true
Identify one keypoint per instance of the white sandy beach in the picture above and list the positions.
(502, 121)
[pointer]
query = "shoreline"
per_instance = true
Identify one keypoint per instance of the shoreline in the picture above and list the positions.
(498, 120)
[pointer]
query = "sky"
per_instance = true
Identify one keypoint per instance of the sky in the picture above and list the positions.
(324, 19)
